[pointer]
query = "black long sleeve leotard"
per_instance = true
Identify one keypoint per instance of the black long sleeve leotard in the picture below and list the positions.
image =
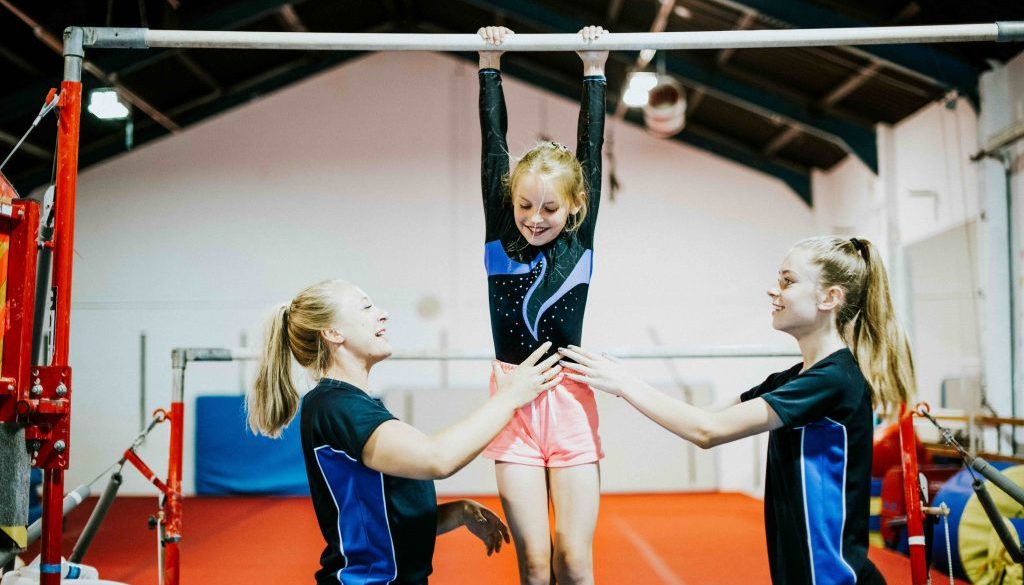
(537, 294)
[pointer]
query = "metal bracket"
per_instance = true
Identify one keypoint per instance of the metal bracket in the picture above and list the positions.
(47, 413)
(116, 38)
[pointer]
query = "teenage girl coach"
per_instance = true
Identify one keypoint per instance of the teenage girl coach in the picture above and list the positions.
(833, 297)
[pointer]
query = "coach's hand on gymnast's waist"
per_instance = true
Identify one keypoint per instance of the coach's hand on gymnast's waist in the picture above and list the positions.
(522, 384)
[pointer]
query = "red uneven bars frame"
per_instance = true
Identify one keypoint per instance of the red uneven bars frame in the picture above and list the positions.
(39, 397)
(912, 497)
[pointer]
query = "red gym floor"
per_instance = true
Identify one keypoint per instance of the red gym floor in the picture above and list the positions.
(670, 539)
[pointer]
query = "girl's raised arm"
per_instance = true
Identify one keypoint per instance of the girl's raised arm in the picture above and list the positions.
(590, 128)
(493, 128)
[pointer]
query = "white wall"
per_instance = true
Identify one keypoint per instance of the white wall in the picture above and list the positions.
(926, 187)
(1003, 109)
(369, 172)
(936, 182)
(931, 199)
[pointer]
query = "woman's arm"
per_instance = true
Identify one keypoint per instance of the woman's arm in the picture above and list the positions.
(396, 448)
(703, 428)
(700, 427)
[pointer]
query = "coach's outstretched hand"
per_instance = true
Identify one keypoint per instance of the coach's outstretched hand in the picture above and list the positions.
(598, 370)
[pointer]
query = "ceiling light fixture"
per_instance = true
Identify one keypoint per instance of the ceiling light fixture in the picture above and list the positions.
(105, 104)
(639, 87)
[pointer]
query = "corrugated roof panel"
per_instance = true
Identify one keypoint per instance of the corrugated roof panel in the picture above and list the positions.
(811, 151)
(234, 67)
(334, 16)
(165, 83)
(800, 69)
(735, 122)
(880, 101)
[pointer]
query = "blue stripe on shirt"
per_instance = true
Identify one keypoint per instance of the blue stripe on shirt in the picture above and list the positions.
(363, 532)
(823, 466)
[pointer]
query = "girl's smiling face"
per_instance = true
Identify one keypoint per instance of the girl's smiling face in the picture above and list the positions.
(797, 304)
(540, 212)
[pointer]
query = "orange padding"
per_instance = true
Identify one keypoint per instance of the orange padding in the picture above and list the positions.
(712, 538)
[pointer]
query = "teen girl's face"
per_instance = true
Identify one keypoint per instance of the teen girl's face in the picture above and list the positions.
(795, 299)
(540, 212)
(363, 325)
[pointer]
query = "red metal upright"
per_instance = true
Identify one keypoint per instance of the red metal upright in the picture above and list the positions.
(173, 503)
(64, 214)
(171, 510)
(57, 376)
(912, 495)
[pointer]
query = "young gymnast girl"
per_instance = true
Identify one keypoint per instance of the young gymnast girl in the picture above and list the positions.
(370, 474)
(538, 253)
(833, 297)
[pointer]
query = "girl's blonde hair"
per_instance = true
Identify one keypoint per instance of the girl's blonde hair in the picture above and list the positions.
(293, 331)
(557, 166)
(866, 320)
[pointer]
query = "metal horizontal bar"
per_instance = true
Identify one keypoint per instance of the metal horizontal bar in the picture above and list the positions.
(1010, 31)
(207, 354)
(729, 39)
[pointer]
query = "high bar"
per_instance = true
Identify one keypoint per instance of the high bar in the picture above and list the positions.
(227, 354)
(143, 38)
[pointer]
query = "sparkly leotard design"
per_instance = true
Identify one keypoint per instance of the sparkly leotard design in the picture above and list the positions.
(537, 294)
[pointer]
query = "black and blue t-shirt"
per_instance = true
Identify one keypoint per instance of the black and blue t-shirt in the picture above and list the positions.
(537, 293)
(818, 486)
(378, 528)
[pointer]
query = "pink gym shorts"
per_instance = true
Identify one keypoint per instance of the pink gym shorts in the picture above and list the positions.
(557, 429)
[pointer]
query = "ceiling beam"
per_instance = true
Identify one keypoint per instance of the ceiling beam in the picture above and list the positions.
(837, 94)
(231, 16)
(521, 66)
(851, 84)
(796, 178)
(18, 61)
(922, 61)
(614, 9)
(26, 147)
(113, 144)
(743, 23)
(203, 107)
(290, 19)
(197, 70)
(51, 40)
(781, 140)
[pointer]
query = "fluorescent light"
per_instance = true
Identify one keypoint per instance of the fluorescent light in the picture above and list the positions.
(105, 104)
(645, 80)
(635, 97)
(640, 84)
